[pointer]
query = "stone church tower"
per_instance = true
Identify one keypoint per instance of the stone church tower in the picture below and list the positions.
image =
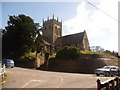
(52, 29)
(53, 39)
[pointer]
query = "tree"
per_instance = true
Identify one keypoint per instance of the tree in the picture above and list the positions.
(68, 52)
(39, 44)
(19, 36)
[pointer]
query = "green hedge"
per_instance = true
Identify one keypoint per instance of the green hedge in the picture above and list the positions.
(68, 53)
(30, 55)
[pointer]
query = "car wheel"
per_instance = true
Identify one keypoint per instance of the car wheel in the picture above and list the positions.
(107, 73)
(111, 75)
(97, 74)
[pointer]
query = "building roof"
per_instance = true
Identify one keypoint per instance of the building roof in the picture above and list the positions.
(70, 39)
(46, 43)
(45, 40)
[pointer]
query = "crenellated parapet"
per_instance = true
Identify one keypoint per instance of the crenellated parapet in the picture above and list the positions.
(52, 20)
(52, 28)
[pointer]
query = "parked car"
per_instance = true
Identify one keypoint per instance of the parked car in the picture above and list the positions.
(8, 62)
(108, 71)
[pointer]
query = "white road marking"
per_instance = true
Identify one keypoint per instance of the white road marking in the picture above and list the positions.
(35, 85)
(61, 81)
(40, 81)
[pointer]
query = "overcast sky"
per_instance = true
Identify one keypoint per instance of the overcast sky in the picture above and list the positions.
(100, 24)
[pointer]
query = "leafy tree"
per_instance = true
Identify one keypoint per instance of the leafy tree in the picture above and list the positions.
(68, 53)
(19, 36)
(39, 44)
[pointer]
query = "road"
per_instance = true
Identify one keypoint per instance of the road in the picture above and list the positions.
(29, 78)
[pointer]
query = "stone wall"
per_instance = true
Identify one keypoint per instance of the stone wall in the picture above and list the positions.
(30, 63)
(85, 64)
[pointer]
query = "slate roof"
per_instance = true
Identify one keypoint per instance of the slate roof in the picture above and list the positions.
(70, 39)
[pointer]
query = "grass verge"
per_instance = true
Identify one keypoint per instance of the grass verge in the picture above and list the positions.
(3, 80)
(99, 53)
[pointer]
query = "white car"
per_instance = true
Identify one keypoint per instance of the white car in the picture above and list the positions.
(107, 71)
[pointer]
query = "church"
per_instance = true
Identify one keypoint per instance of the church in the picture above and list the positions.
(53, 39)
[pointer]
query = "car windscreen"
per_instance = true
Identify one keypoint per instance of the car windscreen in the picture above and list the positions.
(10, 61)
(106, 67)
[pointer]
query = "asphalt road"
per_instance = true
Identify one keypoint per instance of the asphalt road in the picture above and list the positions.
(28, 78)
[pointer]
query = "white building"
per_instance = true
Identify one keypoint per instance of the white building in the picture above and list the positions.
(97, 49)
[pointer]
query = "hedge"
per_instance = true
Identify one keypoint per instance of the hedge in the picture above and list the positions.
(68, 53)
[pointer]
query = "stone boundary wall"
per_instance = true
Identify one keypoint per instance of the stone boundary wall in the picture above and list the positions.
(30, 63)
(84, 64)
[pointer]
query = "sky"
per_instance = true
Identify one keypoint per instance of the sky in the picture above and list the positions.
(101, 24)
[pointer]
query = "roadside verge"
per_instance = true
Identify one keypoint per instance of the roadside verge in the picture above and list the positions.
(3, 80)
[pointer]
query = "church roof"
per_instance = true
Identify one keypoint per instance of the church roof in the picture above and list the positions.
(46, 43)
(45, 40)
(70, 39)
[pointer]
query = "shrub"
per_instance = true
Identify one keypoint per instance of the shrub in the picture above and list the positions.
(68, 53)
(30, 55)
(53, 55)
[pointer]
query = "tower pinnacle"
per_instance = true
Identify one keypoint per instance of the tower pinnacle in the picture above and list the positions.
(57, 18)
(43, 20)
(48, 18)
(53, 16)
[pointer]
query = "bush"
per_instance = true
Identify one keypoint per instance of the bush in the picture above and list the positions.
(68, 53)
(30, 55)
(53, 55)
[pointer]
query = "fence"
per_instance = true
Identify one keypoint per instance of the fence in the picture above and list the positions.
(111, 84)
(2, 71)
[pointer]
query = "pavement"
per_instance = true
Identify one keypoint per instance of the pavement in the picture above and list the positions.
(30, 78)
